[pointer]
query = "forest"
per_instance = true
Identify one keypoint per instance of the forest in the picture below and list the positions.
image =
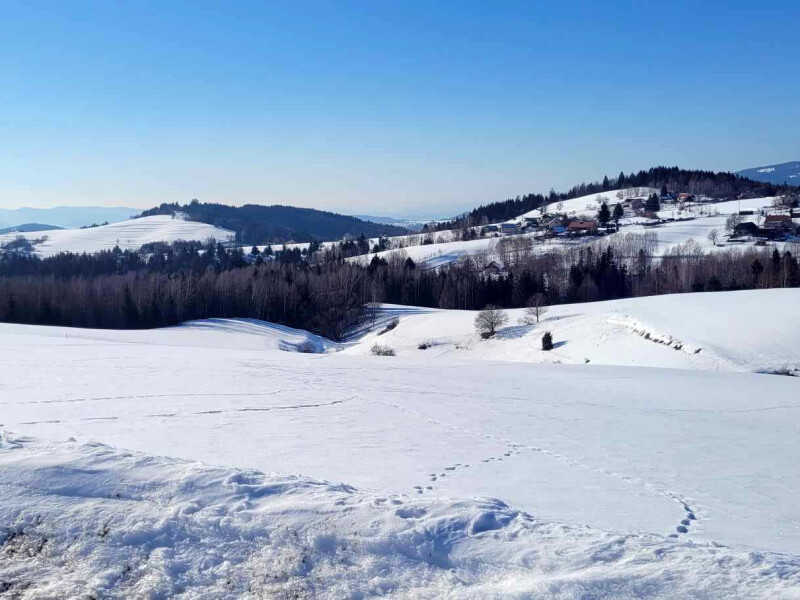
(326, 294)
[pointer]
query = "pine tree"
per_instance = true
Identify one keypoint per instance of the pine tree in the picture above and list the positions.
(652, 204)
(604, 215)
(606, 184)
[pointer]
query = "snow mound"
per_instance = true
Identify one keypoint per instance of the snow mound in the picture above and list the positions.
(128, 235)
(87, 519)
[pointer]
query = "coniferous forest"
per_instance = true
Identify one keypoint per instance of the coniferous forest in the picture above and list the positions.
(326, 294)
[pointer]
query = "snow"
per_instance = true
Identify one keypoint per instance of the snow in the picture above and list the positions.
(128, 235)
(85, 520)
(746, 331)
(461, 478)
(590, 204)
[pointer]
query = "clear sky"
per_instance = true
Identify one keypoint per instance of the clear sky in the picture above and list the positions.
(383, 107)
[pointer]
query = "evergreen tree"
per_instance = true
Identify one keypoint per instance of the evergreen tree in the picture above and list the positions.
(653, 204)
(604, 215)
(618, 213)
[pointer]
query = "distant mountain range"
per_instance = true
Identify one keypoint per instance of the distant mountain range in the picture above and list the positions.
(783, 173)
(64, 216)
(28, 228)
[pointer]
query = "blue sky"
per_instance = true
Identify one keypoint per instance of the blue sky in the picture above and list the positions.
(387, 108)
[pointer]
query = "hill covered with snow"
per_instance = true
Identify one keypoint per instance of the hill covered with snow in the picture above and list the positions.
(779, 174)
(128, 235)
(752, 331)
(421, 475)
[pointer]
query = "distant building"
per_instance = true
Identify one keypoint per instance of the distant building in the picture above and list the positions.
(637, 204)
(530, 222)
(685, 197)
(347, 237)
(509, 228)
(667, 198)
(778, 222)
(582, 227)
(745, 228)
(490, 229)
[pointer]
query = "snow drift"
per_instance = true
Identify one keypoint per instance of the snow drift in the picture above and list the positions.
(84, 519)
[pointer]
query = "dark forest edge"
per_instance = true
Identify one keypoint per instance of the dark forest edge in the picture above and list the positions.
(327, 295)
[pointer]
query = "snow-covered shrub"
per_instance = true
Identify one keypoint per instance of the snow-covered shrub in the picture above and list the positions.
(378, 350)
(308, 347)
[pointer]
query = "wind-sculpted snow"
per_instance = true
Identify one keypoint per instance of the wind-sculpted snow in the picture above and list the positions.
(86, 520)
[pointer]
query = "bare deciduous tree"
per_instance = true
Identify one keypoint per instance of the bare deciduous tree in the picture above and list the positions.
(490, 319)
(537, 307)
(713, 236)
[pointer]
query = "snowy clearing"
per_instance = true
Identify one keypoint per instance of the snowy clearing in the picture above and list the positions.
(128, 235)
(622, 481)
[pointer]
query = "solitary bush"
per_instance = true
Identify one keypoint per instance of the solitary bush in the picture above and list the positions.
(425, 345)
(378, 350)
(308, 347)
(489, 320)
(547, 341)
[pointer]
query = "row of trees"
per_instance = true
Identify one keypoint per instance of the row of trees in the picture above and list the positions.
(120, 290)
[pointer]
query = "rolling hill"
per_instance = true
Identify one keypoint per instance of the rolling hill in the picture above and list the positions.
(256, 224)
(422, 475)
(783, 173)
(128, 235)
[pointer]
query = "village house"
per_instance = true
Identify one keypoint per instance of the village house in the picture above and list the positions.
(509, 228)
(746, 228)
(779, 222)
(588, 227)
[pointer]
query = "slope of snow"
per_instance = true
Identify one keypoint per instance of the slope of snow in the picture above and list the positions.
(128, 235)
(87, 520)
(589, 205)
(755, 331)
(234, 334)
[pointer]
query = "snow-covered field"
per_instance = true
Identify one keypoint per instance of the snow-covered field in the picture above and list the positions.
(750, 331)
(128, 235)
(622, 480)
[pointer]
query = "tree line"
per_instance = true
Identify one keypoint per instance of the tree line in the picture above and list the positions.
(327, 295)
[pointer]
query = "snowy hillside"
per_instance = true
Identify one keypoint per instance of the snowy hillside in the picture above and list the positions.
(613, 480)
(783, 173)
(590, 204)
(128, 235)
(755, 331)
